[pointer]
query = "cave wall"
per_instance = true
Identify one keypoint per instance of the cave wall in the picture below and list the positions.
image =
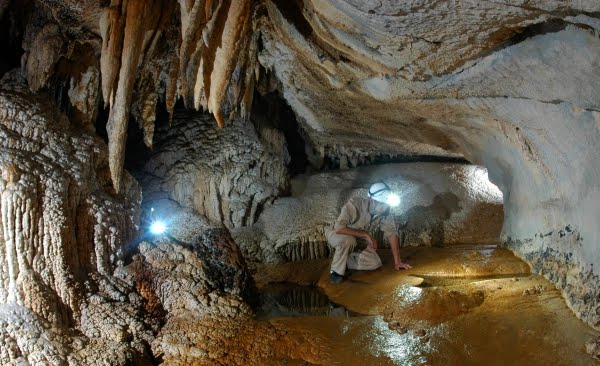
(226, 175)
(511, 87)
(59, 221)
(62, 233)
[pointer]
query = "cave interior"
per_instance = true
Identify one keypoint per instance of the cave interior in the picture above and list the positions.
(171, 173)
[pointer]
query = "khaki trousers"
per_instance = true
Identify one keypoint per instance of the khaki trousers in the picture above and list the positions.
(343, 246)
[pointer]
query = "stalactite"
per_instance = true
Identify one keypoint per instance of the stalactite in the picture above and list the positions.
(119, 113)
(171, 90)
(112, 27)
(210, 39)
(213, 35)
(192, 21)
(226, 55)
(140, 18)
(249, 80)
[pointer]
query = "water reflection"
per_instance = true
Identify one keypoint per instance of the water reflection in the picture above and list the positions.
(289, 300)
(409, 294)
(407, 348)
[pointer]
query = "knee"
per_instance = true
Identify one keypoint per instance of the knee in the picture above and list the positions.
(342, 241)
(348, 242)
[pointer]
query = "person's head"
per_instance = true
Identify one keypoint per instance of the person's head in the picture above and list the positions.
(378, 194)
(379, 191)
(381, 194)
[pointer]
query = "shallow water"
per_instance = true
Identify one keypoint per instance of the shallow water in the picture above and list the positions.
(280, 300)
(457, 306)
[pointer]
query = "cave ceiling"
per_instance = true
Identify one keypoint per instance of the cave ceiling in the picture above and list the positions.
(405, 77)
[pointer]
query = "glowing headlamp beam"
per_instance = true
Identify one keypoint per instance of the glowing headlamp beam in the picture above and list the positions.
(393, 200)
(158, 227)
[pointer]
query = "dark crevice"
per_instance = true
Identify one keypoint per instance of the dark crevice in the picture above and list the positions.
(549, 26)
(13, 21)
(292, 11)
(271, 111)
(332, 162)
(101, 121)
(137, 153)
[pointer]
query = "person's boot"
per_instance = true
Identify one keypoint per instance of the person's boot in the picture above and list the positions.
(335, 278)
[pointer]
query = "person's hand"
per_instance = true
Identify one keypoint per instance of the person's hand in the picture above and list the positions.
(401, 265)
(372, 242)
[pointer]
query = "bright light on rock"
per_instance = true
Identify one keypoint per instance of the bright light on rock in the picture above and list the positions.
(158, 227)
(393, 200)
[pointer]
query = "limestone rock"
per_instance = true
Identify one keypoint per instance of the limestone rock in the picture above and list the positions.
(190, 267)
(227, 175)
(45, 51)
(190, 276)
(536, 290)
(27, 339)
(61, 235)
(53, 201)
(593, 348)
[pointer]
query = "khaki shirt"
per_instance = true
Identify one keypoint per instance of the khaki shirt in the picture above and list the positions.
(355, 215)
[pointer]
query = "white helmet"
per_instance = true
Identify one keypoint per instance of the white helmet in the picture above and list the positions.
(381, 192)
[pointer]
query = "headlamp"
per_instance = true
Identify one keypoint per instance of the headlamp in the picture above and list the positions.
(158, 227)
(381, 192)
(393, 199)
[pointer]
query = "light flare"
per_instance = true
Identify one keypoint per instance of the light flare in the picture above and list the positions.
(158, 227)
(393, 200)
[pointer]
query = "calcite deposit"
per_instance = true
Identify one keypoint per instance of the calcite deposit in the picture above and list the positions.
(62, 233)
(227, 175)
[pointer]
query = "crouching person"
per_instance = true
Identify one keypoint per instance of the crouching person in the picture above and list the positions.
(359, 219)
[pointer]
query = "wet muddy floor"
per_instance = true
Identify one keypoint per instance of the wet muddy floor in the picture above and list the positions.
(458, 306)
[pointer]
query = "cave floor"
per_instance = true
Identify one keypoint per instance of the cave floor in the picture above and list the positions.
(462, 305)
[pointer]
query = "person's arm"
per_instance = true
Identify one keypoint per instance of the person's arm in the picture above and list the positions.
(398, 264)
(358, 234)
(388, 226)
(348, 216)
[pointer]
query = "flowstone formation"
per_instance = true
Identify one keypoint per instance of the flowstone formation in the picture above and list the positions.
(62, 230)
(227, 175)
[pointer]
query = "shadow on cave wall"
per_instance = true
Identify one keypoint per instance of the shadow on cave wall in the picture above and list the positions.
(424, 225)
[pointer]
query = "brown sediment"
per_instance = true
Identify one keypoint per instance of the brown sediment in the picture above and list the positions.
(449, 318)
